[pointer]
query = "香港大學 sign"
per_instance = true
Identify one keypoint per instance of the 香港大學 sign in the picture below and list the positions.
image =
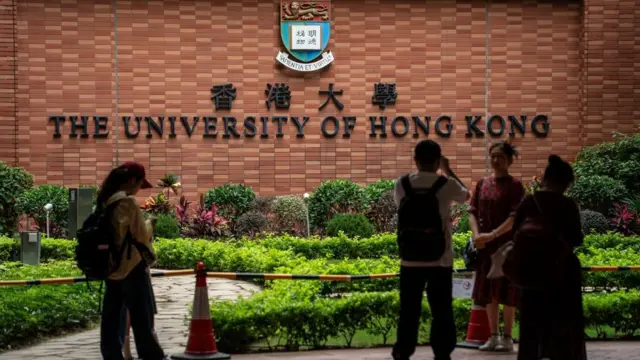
(305, 28)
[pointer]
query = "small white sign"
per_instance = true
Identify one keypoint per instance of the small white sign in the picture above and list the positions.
(33, 237)
(463, 288)
(306, 37)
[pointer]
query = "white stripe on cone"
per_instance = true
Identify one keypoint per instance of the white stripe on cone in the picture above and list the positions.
(201, 304)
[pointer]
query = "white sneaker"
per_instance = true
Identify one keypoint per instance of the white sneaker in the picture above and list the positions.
(490, 345)
(505, 345)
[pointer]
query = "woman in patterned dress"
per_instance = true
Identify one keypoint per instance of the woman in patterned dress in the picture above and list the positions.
(492, 212)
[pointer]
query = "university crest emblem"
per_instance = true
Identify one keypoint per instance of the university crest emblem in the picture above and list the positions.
(305, 27)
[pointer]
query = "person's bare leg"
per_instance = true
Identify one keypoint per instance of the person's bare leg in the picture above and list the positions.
(493, 316)
(508, 314)
(127, 339)
(493, 313)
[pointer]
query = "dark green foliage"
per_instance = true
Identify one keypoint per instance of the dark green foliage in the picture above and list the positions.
(251, 224)
(373, 191)
(353, 225)
(382, 212)
(15, 181)
(334, 197)
(28, 314)
(167, 227)
(593, 222)
(460, 218)
(289, 318)
(618, 159)
(232, 200)
(32, 203)
(597, 192)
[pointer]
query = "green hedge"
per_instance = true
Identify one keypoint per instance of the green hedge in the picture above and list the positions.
(339, 247)
(220, 256)
(293, 319)
(337, 255)
(31, 313)
(52, 249)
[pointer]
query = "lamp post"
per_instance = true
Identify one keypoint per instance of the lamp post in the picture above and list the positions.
(306, 202)
(48, 209)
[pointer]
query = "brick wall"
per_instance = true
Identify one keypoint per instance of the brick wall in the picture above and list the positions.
(8, 141)
(170, 53)
(612, 68)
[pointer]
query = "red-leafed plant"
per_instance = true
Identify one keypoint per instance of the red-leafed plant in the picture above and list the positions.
(201, 222)
(182, 211)
(625, 220)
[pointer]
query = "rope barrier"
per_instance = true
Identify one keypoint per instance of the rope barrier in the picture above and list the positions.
(261, 276)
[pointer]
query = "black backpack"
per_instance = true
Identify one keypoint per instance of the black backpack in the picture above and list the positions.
(420, 232)
(96, 252)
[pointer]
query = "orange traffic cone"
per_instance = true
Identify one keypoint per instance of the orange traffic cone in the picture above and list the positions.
(478, 331)
(202, 341)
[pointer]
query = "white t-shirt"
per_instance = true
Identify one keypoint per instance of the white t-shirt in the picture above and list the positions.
(451, 191)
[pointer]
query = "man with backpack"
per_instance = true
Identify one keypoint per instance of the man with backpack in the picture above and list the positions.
(426, 250)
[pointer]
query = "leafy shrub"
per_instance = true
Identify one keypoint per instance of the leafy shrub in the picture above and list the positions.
(593, 222)
(597, 242)
(382, 212)
(290, 214)
(158, 205)
(251, 224)
(353, 225)
(167, 227)
(32, 204)
(334, 197)
(220, 256)
(460, 218)
(15, 181)
(263, 204)
(597, 192)
(294, 316)
(339, 247)
(206, 223)
(28, 314)
(618, 159)
(373, 191)
(232, 200)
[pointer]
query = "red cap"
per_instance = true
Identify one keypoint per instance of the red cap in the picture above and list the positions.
(137, 169)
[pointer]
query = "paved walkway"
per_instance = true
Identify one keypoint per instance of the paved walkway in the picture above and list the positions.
(174, 295)
(596, 350)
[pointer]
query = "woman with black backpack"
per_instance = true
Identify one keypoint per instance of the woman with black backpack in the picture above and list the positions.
(551, 317)
(128, 286)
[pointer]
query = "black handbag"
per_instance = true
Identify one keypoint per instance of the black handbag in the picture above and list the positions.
(470, 254)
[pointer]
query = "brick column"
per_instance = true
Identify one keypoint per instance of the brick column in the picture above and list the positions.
(610, 78)
(8, 125)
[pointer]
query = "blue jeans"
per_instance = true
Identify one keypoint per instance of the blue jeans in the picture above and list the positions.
(134, 293)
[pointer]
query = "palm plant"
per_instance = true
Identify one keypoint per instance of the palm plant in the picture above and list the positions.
(169, 183)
